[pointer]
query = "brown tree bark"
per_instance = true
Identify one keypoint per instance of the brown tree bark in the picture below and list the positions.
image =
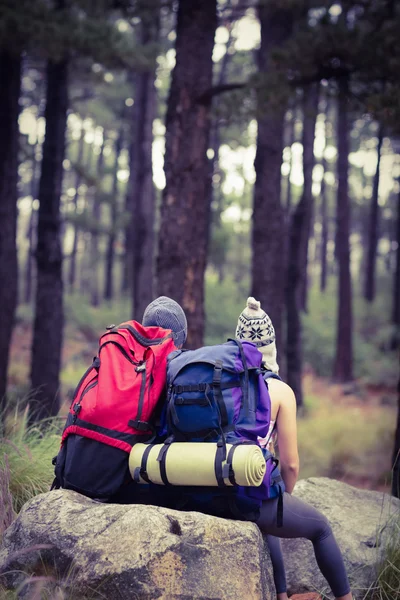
(10, 82)
(309, 119)
(268, 233)
(291, 140)
(95, 233)
(182, 253)
(75, 241)
(324, 232)
(396, 282)
(49, 316)
(298, 243)
(141, 194)
(110, 251)
(343, 363)
(373, 228)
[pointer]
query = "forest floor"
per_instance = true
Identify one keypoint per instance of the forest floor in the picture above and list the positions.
(344, 432)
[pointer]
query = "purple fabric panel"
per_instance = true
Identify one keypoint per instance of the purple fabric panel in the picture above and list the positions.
(263, 416)
(237, 394)
(253, 356)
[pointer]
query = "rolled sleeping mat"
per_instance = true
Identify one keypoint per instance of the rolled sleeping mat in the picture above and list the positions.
(193, 463)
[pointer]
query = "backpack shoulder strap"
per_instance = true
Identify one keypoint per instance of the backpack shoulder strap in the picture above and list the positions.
(270, 375)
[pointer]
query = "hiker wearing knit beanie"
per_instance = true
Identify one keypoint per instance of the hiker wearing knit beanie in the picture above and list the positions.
(165, 312)
(300, 520)
(254, 325)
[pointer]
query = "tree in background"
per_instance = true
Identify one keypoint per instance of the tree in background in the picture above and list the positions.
(373, 228)
(10, 81)
(343, 364)
(299, 233)
(268, 233)
(109, 285)
(182, 251)
(49, 316)
(141, 193)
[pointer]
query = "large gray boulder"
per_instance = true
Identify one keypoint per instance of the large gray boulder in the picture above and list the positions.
(135, 552)
(149, 553)
(361, 520)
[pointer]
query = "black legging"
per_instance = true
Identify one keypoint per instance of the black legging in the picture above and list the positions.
(300, 520)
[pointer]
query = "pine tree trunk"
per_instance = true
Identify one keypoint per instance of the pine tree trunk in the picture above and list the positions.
(31, 233)
(216, 195)
(343, 364)
(10, 81)
(291, 140)
(324, 231)
(141, 187)
(185, 208)
(75, 242)
(373, 229)
(110, 252)
(299, 234)
(396, 282)
(309, 120)
(268, 233)
(49, 316)
(95, 235)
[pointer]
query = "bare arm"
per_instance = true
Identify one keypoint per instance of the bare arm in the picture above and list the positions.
(286, 425)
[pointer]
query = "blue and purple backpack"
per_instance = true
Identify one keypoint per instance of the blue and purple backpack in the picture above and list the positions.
(219, 394)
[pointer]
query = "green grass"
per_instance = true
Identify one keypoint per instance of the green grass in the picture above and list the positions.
(346, 442)
(374, 363)
(28, 452)
(387, 583)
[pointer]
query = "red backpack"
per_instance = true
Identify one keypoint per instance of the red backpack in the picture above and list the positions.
(114, 406)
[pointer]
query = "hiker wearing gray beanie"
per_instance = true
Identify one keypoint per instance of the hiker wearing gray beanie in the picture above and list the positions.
(165, 312)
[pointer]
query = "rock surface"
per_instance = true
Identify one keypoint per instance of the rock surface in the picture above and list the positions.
(147, 553)
(357, 518)
(135, 552)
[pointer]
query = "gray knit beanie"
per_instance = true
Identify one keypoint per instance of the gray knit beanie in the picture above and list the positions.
(254, 325)
(165, 312)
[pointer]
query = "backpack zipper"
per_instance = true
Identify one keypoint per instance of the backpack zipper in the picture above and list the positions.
(141, 369)
(78, 406)
(122, 350)
(136, 423)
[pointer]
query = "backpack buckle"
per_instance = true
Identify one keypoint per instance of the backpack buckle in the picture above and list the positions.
(140, 368)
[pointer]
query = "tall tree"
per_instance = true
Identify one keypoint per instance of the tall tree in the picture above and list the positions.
(31, 230)
(324, 212)
(75, 239)
(49, 316)
(373, 228)
(141, 194)
(343, 363)
(95, 233)
(10, 82)
(396, 281)
(110, 251)
(268, 255)
(183, 234)
(310, 113)
(299, 235)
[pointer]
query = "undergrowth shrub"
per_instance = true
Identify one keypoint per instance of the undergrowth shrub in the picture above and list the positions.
(26, 452)
(374, 362)
(387, 583)
(345, 442)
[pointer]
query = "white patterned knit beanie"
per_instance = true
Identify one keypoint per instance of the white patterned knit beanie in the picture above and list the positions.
(254, 325)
